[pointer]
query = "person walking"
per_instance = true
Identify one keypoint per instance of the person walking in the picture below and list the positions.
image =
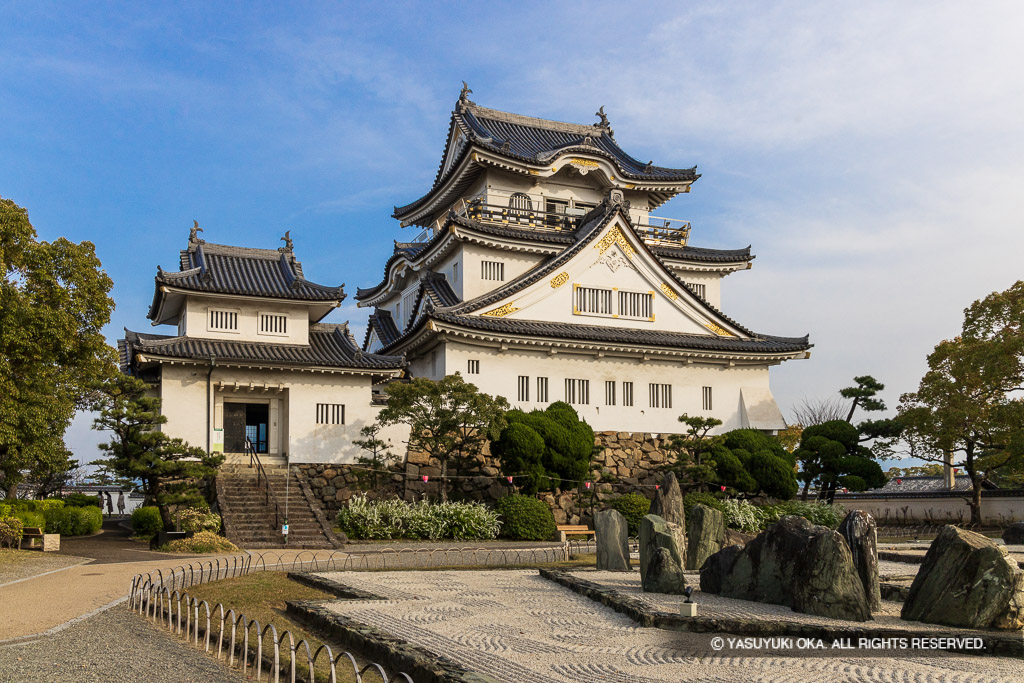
(110, 504)
(120, 503)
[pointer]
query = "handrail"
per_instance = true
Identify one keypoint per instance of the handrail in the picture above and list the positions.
(261, 477)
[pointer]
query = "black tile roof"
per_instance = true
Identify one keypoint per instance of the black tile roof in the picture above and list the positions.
(241, 271)
(537, 141)
(381, 322)
(701, 254)
(630, 336)
(330, 345)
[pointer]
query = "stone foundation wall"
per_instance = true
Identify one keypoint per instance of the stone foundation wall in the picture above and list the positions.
(629, 463)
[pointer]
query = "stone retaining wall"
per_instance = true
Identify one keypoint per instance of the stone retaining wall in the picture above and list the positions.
(629, 463)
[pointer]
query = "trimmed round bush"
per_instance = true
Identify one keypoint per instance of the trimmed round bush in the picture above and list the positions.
(201, 542)
(633, 507)
(196, 520)
(525, 518)
(73, 521)
(146, 521)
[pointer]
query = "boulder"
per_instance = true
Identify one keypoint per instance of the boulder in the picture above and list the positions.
(794, 563)
(705, 535)
(1014, 534)
(967, 581)
(664, 574)
(668, 501)
(733, 537)
(655, 533)
(860, 532)
(612, 541)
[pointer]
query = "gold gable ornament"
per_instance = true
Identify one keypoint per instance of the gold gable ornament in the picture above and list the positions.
(720, 331)
(559, 280)
(501, 311)
(669, 292)
(615, 236)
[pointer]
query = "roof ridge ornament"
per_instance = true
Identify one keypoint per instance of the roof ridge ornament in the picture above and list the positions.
(464, 96)
(649, 167)
(193, 237)
(288, 244)
(603, 123)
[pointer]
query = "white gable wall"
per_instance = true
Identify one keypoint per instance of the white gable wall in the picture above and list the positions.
(196, 318)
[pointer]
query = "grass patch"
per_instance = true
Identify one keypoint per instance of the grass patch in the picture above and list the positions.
(262, 596)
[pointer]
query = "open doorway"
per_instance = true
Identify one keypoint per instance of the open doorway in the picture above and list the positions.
(246, 421)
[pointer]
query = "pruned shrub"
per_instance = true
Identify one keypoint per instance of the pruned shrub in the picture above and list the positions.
(816, 512)
(633, 507)
(195, 520)
(201, 542)
(393, 518)
(73, 521)
(11, 531)
(146, 521)
(81, 500)
(544, 449)
(525, 518)
(30, 518)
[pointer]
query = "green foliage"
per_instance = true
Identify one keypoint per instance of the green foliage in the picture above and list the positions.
(545, 449)
(146, 521)
(31, 518)
(378, 458)
(195, 520)
(693, 449)
(201, 542)
(11, 531)
(73, 521)
(79, 500)
(449, 419)
(831, 454)
(54, 305)
(743, 515)
(702, 498)
(168, 468)
(524, 518)
(633, 507)
(816, 512)
(393, 518)
(863, 395)
(31, 505)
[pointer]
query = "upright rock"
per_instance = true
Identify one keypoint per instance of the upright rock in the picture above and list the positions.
(1014, 534)
(795, 563)
(860, 532)
(705, 535)
(668, 501)
(655, 534)
(664, 574)
(967, 581)
(612, 541)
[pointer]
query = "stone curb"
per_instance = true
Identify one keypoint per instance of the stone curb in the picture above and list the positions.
(335, 588)
(394, 653)
(638, 611)
(913, 558)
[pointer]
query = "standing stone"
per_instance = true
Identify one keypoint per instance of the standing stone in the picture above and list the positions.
(705, 535)
(1014, 534)
(967, 581)
(612, 541)
(668, 501)
(656, 533)
(861, 535)
(795, 563)
(664, 574)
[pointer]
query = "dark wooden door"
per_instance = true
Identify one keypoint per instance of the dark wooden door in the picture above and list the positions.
(234, 428)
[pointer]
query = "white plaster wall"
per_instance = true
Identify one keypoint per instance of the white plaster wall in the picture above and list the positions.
(499, 373)
(472, 255)
(712, 284)
(994, 510)
(293, 430)
(196, 320)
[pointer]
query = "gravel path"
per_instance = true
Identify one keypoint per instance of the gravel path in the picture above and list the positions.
(16, 565)
(114, 646)
(516, 626)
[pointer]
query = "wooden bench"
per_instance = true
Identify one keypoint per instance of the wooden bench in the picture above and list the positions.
(564, 530)
(31, 534)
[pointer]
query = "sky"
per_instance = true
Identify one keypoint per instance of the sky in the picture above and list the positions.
(872, 153)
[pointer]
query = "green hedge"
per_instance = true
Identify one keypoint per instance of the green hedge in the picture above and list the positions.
(146, 521)
(387, 519)
(525, 518)
(73, 521)
(633, 507)
(81, 500)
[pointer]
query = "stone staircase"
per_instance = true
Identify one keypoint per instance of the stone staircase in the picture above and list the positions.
(249, 521)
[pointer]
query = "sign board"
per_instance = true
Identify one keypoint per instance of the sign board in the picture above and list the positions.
(217, 445)
(284, 529)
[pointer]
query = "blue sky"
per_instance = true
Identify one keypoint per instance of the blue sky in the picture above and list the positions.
(872, 153)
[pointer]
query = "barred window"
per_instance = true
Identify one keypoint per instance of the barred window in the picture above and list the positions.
(223, 320)
(707, 398)
(492, 270)
(660, 395)
(700, 290)
(609, 393)
(330, 414)
(577, 391)
(272, 323)
(524, 388)
(593, 300)
(627, 393)
(473, 368)
(542, 390)
(635, 304)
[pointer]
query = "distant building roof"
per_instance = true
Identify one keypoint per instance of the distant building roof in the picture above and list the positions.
(330, 345)
(242, 271)
(927, 484)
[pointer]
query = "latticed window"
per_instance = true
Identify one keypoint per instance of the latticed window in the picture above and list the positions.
(223, 320)
(524, 388)
(577, 391)
(627, 393)
(272, 323)
(492, 270)
(660, 395)
(609, 393)
(700, 290)
(593, 300)
(473, 367)
(330, 414)
(635, 304)
(706, 404)
(521, 201)
(542, 389)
